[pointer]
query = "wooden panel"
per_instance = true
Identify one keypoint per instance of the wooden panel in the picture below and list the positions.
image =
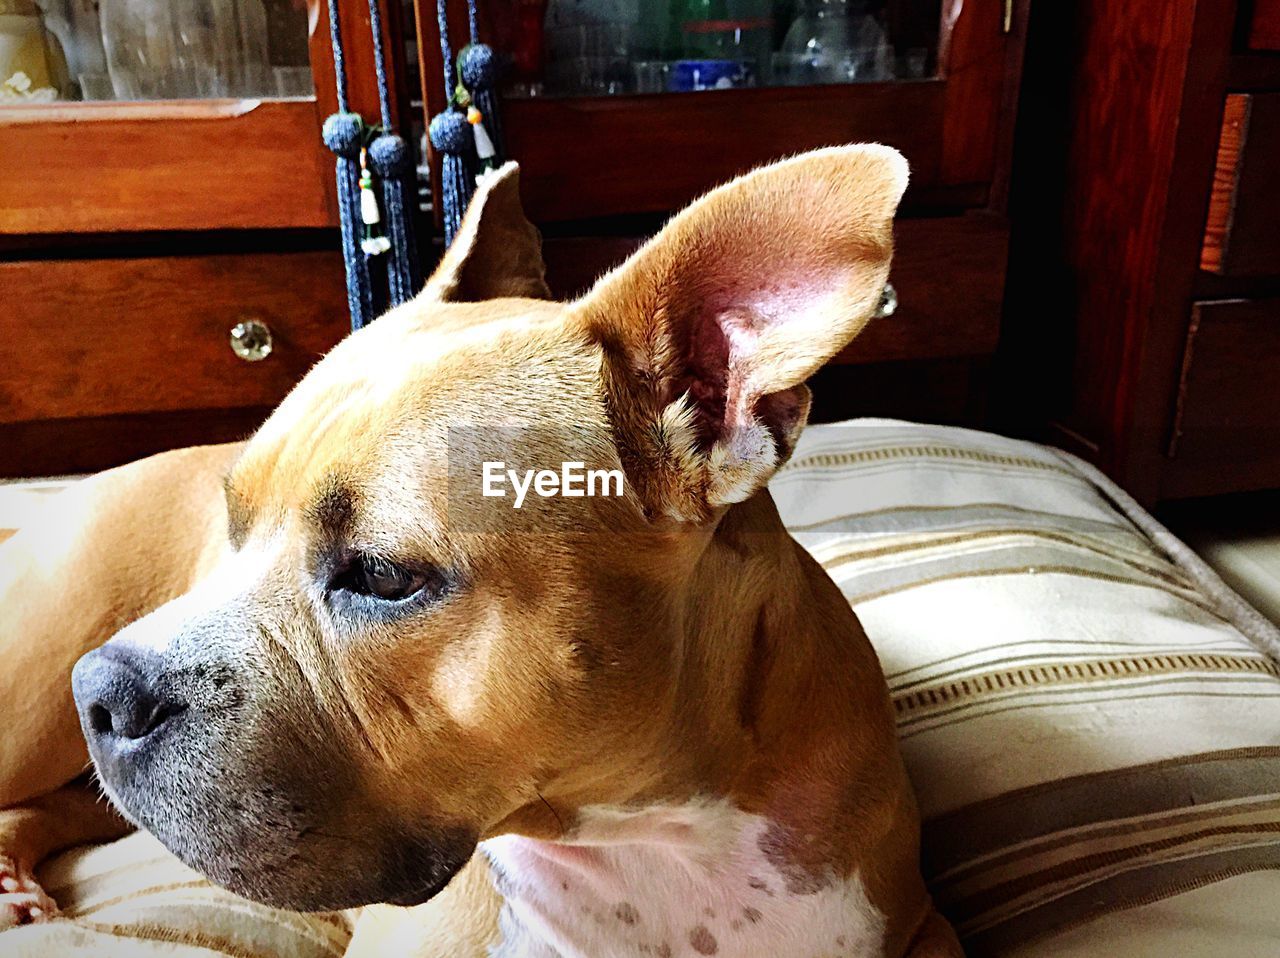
(1234, 117)
(174, 166)
(973, 62)
(1264, 25)
(1241, 238)
(1120, 189)
(1254, 73)
(189, 165)
(949, 274)
(1228, 404)
(109, 337)
(587, 157)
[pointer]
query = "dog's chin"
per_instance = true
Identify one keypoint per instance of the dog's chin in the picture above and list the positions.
(309, 869)
(328, 876)
(322, 890)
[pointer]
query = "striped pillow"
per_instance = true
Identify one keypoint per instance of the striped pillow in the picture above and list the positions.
(1091, 719)
(132, 899)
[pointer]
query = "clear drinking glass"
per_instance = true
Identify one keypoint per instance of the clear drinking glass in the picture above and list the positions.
(182, 49)
(834, 41)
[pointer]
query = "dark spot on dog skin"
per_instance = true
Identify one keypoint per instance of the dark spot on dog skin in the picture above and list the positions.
(777, 845)
(564, 886)
(663, 950)
(626, 913)
(760, 885)
(735, 925)
(752, 915)
(703, 942)
(709, 912)
(840, 941)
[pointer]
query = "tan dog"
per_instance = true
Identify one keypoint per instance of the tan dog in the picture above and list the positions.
(645, 724)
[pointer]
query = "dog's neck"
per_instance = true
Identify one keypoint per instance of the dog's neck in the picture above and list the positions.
(694, 879)
(734, 845)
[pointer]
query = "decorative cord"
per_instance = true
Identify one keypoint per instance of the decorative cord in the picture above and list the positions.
(362, 152)
(467, 148)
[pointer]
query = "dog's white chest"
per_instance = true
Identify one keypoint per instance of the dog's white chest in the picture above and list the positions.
(670, 883)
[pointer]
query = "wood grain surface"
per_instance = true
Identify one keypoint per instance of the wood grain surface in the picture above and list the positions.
(107, 337)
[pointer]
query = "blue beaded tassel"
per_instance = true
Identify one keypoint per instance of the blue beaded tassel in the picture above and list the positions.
(453, 140)
(343, 133)
(368, 157)
(467, 135)
(392, 162)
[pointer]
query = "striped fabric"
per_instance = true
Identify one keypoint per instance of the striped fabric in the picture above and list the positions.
(1091, 719)
(132, 899)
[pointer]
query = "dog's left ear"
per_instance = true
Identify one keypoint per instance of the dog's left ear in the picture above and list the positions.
(710, 330)
(497, 251)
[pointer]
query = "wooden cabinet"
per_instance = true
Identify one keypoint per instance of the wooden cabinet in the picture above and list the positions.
(1241, 238)
(1144, 282)
(1228, 404)
(1264, 25)
(135, 234)
(599, 173)
(138, 233)
(75, 167)
(155, 333)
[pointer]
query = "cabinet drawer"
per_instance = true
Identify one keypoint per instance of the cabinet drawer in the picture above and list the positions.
(948, 272)
(95, 338)
(1240, 236)
(1228, 404)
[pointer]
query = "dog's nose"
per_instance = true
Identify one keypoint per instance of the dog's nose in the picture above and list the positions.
(119, 698)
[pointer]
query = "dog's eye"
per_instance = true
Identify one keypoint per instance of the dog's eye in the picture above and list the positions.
(379, 578)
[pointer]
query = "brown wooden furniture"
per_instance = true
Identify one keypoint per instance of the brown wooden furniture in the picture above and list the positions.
(1143, 311)
(157, 227)
(135, 235)
(596, 167)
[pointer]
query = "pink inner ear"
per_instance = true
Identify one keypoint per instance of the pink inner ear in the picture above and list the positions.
(722, 345)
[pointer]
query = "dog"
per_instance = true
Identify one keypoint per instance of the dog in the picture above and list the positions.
(341, 675)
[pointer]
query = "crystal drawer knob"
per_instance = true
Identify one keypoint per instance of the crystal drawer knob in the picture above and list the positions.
(888, 301)
(251, 340)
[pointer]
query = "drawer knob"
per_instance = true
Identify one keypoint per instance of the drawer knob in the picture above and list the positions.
(888, 301)
(251, 340)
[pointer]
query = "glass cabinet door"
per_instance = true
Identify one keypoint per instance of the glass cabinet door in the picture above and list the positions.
(619, 47)
(620, 107)
(129, 50)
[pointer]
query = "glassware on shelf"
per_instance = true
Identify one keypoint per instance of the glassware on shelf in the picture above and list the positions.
(721, 43)
(245, 67)
(834, 41)
(33, 67)
(589, 45)
(179, 49)
(75, 24)
(605, 47)
(650, 76)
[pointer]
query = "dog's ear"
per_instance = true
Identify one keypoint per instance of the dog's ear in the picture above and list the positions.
(710, 329)
(497, 251)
